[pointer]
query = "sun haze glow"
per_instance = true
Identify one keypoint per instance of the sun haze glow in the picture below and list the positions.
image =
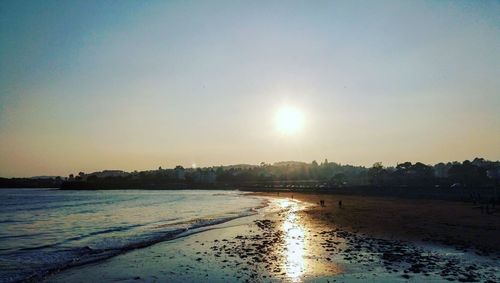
(289, 120)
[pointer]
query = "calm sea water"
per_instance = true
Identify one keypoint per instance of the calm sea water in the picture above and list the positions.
(43, 230)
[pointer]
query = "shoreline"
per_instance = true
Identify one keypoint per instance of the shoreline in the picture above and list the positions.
(83, 262)
(84, 246)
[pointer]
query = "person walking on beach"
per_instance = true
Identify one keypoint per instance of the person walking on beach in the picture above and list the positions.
(340, 203)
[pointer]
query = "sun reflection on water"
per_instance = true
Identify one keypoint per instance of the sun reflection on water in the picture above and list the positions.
(295, 241)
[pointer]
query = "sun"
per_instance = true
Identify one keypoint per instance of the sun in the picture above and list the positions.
(289, 120)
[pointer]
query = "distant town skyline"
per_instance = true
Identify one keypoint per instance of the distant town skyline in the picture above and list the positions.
(129, 85)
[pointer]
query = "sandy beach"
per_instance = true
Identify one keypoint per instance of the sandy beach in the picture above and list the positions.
(294, 240)
(458, 224)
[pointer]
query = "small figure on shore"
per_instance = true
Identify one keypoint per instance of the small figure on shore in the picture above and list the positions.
(292, 196)
(340, 203)
(322, 203)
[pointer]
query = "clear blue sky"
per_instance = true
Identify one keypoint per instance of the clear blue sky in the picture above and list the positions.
(91, 85)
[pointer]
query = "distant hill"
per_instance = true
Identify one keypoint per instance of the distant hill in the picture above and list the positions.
(43, 177)
(240, 166)
(289, 163)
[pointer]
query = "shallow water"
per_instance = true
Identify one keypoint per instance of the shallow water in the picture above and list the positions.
(43, 230)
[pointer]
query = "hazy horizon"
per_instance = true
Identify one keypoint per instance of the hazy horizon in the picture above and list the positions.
(87, 86)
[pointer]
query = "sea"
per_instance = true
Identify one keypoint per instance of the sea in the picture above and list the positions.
(46, 230)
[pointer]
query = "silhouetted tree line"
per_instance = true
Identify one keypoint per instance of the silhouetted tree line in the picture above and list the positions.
(479, 172)
(326, 172)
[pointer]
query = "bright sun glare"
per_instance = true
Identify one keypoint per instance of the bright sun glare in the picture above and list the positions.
(289, 120)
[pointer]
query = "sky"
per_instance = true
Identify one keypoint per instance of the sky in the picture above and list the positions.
(133, 85)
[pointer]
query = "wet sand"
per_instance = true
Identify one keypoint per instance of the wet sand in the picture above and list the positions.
(289, 241)
(458, 224)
